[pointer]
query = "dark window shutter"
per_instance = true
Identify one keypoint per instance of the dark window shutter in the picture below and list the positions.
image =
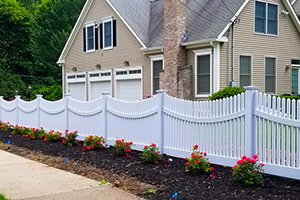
(101, 36)
(114, 33)
(84, 40)
(96, 38)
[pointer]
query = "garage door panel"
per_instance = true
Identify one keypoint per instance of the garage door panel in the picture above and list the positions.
(77, 91)
(129, 90)
(98, 87)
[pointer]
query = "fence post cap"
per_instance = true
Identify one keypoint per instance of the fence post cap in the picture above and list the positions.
(1, 97)
(251, 88)
(105, 93)
(18, 96)
(39, 95)
(67, 95)
(161, 91)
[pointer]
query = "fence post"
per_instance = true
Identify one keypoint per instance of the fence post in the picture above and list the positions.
(1, 99)
(67, 96)
(105, 94)
(39, 96)
(250, 101)
(17, 107)
(161, 103)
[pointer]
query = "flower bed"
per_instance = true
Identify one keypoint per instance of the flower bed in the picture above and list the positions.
(168, 175)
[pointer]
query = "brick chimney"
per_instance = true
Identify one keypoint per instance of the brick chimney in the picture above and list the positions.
(174, 54)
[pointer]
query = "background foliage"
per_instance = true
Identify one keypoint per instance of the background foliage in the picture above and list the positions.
(32, 36)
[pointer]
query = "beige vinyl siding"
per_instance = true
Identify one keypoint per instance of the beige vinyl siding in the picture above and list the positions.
(127, 48)
(284, 47)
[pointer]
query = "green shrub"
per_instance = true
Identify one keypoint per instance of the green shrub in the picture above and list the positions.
(123, 147)
(289, 97)
(50, 93)
(151, 153)
(226, 92)
(93, 142)
(2, 197)
(53, 136)
(70, 138)
(198, 162)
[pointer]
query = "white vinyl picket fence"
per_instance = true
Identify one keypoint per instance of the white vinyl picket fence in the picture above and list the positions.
(227, 129)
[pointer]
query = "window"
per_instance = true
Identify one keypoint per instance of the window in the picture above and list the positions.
(245, 71)
(90, 37)
(270, 75)
(266, 18)
(108, 30)
(203, 73)
(157, 64)
(295, 79)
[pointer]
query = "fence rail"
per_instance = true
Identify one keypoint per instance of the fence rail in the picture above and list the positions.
(227, 129)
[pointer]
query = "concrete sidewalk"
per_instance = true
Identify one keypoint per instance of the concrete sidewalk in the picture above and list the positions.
(21, 178)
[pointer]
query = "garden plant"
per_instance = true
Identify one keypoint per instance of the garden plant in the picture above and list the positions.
(93, 142)
(151, 153)
(123, 147)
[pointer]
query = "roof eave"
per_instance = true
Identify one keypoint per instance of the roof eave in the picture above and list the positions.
(152, 50)
(204, 42)
(292, 14)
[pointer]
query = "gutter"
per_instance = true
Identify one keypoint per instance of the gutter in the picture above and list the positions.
(201, 42)
(152, 50)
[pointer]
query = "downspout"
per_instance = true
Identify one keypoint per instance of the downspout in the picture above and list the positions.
(228, 58)
(232, 56)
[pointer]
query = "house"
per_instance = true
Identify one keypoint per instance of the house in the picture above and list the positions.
(192, 48)
(296, 6)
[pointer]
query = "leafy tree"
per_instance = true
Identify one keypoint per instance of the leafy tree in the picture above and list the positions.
(50, 93)
(52, 24)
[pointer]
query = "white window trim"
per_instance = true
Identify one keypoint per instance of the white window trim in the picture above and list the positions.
(86, 25)
(295, 66)
(128, 77)
(155, 58)
(266, 34)
(76, 80)
(103, 21)
(99, 79)
(201, 53)
(275, 74)
(251, 71)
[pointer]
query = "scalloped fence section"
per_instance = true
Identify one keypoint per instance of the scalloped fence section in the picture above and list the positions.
(246, 124)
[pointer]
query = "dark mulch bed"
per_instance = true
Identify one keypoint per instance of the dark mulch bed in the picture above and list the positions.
(167, 177)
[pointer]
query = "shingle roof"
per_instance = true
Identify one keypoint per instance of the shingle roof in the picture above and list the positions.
(205, 18)
(296, 7)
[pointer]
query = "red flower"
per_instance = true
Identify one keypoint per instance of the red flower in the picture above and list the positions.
(84, 146)
(145, 147)
(231, 171)
(92, 146)
(103, 142)
(127, 144)
(92, 142)
(122, 140)
(189, 164)
(154, 145)
(247, 159)
(201, 152)
(117, 141)
(212, 169)
(262, 164)
(68, 139)
(67, 130)
(41, 137)
(240, 162)
(45, 140)
(255, 171)
(254, 156)
(252, 161)
(234, 166)
(126, 147)
(244, 157)
(193, 156)
(127, 154)
(88, 148)
(200, 157)
(212, 176)
(23, 135)
(121, 144)
(156, 153)
(197, 162)
(186, 159)
(98, 143)
(205, 153)
(63, 141)
(130, 142)
(59, 133)
(196, 146)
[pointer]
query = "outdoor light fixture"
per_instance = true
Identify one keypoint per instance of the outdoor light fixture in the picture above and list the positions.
(126, 63)
(98, 66)
(74, 69)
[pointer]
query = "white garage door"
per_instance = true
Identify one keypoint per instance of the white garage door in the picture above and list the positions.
(129, 90)
(98, 87)
(77, 91)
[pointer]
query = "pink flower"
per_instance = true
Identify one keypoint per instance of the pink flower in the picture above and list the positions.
(212, 169)
(186, 159)
(69, 140)
(262, 164)
(154, 145)
(212, 176)
(252, 161)
(66, 130)
(247, 159)
(254, 156)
